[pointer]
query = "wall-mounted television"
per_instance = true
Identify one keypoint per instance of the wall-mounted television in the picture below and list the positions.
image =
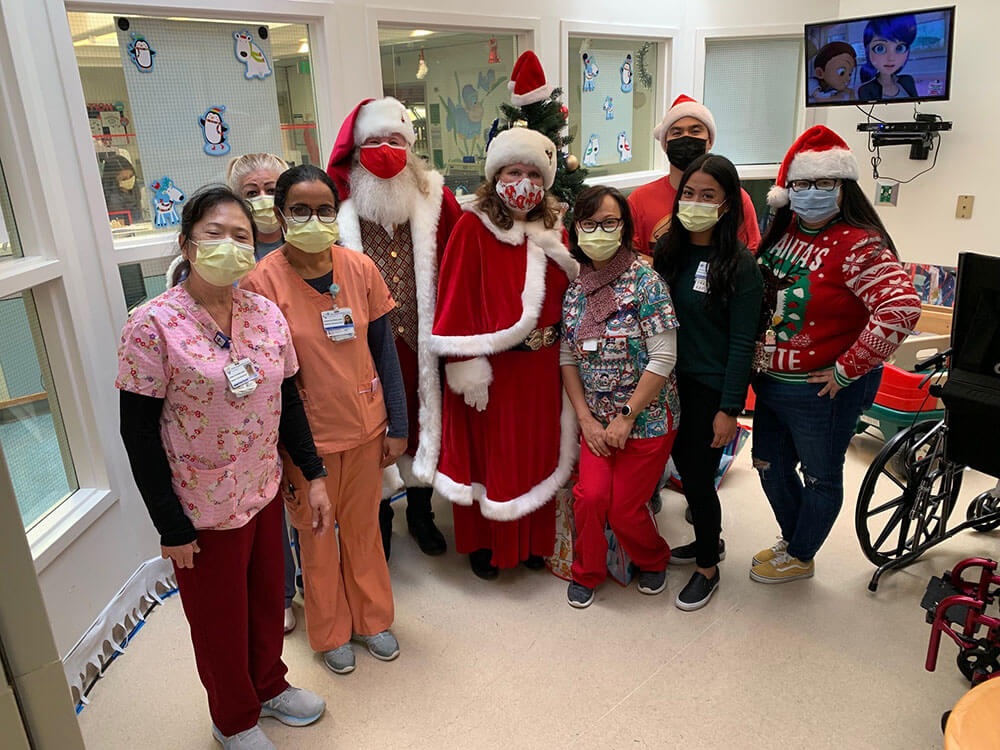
(896, 57)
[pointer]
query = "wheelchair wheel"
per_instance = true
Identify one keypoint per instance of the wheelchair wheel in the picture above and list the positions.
(986, 504)
(977, 664)
(883, 518)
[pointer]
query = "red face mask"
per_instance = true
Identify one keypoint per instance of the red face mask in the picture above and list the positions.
(384, 160)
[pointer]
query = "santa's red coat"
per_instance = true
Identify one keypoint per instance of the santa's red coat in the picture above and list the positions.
(496, 287)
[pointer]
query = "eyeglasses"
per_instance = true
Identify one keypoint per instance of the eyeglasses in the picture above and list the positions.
(608, 225)
(825, 184)
(301, 214)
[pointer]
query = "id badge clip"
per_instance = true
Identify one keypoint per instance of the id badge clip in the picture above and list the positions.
(338, 324)
(241, 377)
(701, 278)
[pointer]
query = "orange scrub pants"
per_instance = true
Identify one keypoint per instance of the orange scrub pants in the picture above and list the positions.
(347, 588)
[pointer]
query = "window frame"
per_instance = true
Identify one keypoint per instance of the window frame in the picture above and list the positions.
(63, 233)
(803, 117)
(667, 62)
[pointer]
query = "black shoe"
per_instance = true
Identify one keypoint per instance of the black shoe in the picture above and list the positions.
(385, 514)
(697, 592)
(652, 581)
(480, 563)
(429, 537)
(688, 517)
(685, 554)
(579, 596)
(656, 503)
(534, 562)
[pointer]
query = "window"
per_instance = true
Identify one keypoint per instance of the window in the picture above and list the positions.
(612, 103)
(149, 83)
(452, 83)
(9, 246)
(752, 87)
(143, 281)
(32, 436)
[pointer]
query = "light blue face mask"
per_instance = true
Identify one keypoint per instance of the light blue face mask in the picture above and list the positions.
(815, 205)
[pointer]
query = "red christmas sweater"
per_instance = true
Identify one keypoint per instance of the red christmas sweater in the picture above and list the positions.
(843, 300)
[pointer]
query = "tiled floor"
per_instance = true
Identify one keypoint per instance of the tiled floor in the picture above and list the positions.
(814, 664)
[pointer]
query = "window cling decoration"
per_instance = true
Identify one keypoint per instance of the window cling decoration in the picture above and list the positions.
(625, 71)
(591, 152)
(141, 53)
(215, 130)
(166, 196)
(249, 53)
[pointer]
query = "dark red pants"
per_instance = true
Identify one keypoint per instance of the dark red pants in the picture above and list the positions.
(233, 598)
(614, 491)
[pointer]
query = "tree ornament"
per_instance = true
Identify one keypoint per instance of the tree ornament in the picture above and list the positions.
(565, 111)
(572, 163)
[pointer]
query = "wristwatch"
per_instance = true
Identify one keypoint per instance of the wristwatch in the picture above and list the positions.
(322, 473)
(732, 411)
(626, 411)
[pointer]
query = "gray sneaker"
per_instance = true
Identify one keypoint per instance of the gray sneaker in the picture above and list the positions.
(579, 596)
(652, 581)
(294, 707)
(252, 739)
(340, 660)
(382, 645)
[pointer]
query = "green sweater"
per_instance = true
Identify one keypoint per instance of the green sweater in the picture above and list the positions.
(715, 346)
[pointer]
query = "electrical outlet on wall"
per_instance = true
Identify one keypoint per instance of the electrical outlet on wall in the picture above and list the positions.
(964, 208)
(886, 193)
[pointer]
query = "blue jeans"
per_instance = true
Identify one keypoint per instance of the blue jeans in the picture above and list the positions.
(793, 426)
(289, 560)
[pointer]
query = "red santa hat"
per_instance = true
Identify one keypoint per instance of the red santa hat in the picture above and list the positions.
(522, 145)
(527, 81)
(818, 153)
(684, 106)
(371, 118)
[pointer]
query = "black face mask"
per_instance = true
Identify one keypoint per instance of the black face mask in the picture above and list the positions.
(684, 150)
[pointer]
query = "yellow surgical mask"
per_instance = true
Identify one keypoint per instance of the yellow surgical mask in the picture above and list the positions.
(262, 207)
(599, 245)
(312, 236)
(128, 184)
(696, 216)
(223, 262)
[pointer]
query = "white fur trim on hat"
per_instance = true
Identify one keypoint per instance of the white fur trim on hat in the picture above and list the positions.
(777, 196)
(383, 117)
(813, 165)
(522, 145)
(689, 108)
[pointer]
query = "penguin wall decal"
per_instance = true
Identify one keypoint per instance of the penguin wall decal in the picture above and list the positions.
(215, 131)
(141, 53)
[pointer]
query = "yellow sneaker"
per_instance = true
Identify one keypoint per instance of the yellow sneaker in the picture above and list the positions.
(768, 554)
(782, 568)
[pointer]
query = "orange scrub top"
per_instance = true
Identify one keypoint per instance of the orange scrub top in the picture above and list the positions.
(337, 380)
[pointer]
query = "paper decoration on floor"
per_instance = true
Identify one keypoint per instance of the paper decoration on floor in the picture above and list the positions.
(141, 53)
(214, 130)
(250, 54)
(609, 108)
(166, 196)
(591, 152)
(590, 71)
(624, 147)
(625, 71)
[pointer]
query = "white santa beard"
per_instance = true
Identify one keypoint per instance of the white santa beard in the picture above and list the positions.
(384, 202)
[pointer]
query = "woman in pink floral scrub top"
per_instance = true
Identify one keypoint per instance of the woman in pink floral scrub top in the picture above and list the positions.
(205, 373)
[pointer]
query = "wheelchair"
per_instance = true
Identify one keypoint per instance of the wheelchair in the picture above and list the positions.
(912, 487)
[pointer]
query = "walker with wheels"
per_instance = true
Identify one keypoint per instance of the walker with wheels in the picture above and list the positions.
(912, 487)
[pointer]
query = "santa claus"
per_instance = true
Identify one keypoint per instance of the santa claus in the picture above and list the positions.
(509, 435)
(400, 214)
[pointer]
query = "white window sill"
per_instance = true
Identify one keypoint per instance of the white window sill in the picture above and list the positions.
(147, 247)
(55, 532)
(626, 181)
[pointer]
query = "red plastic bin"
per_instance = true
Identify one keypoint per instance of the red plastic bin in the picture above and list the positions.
(900, 390)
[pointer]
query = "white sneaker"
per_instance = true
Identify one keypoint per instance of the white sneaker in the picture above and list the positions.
(252, 739)
(290, 620)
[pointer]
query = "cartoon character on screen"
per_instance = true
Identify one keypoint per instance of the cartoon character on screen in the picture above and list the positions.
(250, 54)
(214, 131)
(624, 147)
(609, 108)
(590, 153)
(166, 196)
(887, 48)
(141, 53)
(626, 74)
(590, 71)
(832, 72)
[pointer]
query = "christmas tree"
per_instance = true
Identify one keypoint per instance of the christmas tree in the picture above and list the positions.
(537, 106)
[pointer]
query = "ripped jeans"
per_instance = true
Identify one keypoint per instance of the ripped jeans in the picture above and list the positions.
(793, 426)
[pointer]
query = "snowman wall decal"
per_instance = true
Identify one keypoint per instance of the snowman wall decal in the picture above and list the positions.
(215, 130)
(249, 53)
(141, 53)
(624, 147)
(590, 154)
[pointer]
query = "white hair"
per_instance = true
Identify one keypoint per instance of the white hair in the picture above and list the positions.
(241, 166)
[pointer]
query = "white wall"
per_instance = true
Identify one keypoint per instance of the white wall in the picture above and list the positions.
(923, 224)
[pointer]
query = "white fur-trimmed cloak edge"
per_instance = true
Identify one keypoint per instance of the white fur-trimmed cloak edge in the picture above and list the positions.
(542, 244)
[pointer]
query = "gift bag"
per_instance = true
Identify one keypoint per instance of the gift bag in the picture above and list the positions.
(560, 561)
(620, 565)
(729, 454)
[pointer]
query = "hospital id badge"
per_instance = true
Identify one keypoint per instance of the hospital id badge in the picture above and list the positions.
(242, 377)
(701, 278)
(338, 324)
(590, 345)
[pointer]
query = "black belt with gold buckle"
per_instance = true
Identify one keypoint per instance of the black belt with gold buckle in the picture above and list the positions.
(537, 339)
